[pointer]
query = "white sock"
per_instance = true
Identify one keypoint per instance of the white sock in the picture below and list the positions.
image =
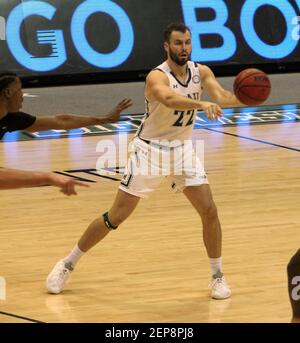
(216, 265)
(74, 256)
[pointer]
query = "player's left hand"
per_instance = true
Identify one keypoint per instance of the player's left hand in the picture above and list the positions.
(212, 110)
(115, 114)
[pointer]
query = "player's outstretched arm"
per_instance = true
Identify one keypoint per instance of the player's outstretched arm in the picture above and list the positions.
(71, 121)
(12, 179)
(157, 88)
(215, 91)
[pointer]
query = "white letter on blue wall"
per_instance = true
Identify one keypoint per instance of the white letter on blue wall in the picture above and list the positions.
(286, 47)
(102, 60)
(216, 26)
(54, 38)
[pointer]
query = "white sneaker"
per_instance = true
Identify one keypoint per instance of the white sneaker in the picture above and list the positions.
(219, 287)
(58, 277)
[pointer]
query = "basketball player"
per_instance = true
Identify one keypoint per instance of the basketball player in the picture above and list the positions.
(293, 270)
(11, 119)
(172, 93)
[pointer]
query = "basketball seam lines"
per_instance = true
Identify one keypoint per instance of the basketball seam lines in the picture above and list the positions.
(250, 97)
(245, 78)
(261, 86)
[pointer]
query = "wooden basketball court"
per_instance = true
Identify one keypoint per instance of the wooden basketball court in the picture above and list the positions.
(154, 268)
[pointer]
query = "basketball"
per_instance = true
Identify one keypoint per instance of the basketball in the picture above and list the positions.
(252, 87)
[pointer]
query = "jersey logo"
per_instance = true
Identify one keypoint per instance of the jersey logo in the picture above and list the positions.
(196, 79)
(175, 86)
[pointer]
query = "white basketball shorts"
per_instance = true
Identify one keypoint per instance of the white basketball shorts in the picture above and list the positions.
(149, 164)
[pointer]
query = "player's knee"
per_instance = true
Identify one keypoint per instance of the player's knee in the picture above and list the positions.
(118, 218)
(209, 211)
(109, 223)
(113, 219)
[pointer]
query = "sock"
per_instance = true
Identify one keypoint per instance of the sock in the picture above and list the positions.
(74, 256)
(216, 266)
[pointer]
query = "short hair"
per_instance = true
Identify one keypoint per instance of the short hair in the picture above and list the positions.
(6, 78)
(181, 27)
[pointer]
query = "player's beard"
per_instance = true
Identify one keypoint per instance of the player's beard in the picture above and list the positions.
(181, 61)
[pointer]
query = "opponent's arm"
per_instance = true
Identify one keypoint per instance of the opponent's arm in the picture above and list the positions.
(12, 179)
(70, 121)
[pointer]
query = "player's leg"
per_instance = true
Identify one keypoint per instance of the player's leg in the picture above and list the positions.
(134, 185)
(293, 271)
(192, 180)
(121, 209)
(201, 198)
(123, 206)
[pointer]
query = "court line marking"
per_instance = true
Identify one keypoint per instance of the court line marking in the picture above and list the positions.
(20, 317)
(253, 139)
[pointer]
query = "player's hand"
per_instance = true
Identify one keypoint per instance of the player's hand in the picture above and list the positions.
(115, 114)
(66, 184)
(212, 110)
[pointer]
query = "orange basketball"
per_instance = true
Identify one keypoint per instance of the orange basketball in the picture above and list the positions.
(252, 87)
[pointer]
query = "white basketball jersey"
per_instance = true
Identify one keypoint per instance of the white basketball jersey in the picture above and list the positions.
(164, 123)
